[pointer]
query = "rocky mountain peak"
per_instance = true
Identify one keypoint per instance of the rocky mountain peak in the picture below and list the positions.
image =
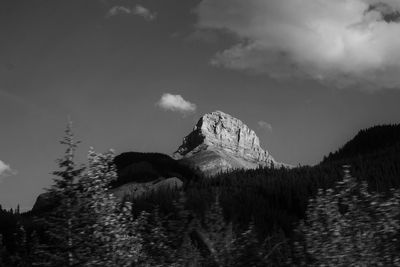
(226, 136)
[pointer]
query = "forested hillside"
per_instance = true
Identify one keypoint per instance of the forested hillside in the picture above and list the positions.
(368, 141)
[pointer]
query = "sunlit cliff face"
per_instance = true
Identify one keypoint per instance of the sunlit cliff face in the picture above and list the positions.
(345, 41)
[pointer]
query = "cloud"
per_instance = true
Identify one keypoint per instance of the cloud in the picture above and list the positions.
(344, 42)
(265, 125)
(5, 170)
(137, 10)
(176, 103)
(144, 12)
(118, 10)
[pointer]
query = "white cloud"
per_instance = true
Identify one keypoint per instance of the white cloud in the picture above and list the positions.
(265, 125)
(176, 103)
(346, 42)
(137, 10)
(144, 12)
(118, 10)
(5, 170)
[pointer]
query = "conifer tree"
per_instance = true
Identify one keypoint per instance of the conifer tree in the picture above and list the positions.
(349, 226)
(227, 248)
(217, 235)
(112, 236)
(2, 251)
(21, 255)
(61, 240)
(177, 228)
(155, 240)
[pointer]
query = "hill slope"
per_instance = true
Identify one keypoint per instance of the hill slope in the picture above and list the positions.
(368, 141)
(145, 167)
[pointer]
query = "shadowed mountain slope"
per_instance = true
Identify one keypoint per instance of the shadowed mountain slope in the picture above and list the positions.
(146, 167)
(368, 141)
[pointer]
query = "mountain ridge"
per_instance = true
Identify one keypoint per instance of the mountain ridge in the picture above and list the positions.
(367, 141)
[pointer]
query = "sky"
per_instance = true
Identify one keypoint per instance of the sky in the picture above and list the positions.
(306, 75)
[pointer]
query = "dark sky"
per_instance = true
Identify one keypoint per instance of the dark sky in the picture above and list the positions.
(107, 64)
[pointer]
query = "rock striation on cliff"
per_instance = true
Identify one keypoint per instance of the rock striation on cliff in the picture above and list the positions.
(220, 142)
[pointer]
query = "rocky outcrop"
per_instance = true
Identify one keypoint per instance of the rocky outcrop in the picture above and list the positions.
(220, 142)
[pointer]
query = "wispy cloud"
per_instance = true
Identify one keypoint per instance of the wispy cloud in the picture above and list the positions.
(144, 12)
(176, 103)
(5, 170)
(340, 42)
(138, 10)
(264, 125)
(118, 10)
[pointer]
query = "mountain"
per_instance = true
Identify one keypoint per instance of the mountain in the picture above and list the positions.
(219, 143)
(147, 167)
(373, 140)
